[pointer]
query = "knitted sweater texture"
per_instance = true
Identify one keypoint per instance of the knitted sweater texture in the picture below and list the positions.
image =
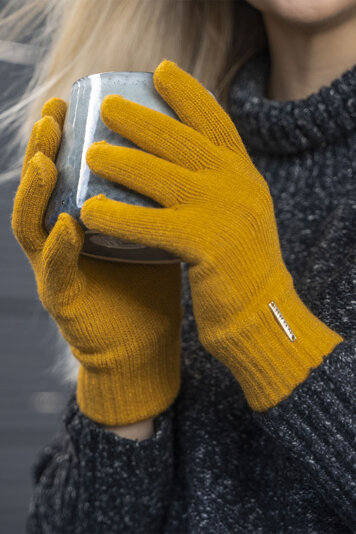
(214, 465)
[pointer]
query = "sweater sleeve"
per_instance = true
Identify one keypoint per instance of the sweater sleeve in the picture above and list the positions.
(316, 423)
(91, 480)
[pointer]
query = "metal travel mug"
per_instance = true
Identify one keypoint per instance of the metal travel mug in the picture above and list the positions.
(76, 182)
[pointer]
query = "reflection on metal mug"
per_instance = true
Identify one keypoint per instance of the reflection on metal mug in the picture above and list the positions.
(76, 182)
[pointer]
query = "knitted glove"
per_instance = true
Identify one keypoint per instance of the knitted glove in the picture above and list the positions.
(218, 216)
(122, 321)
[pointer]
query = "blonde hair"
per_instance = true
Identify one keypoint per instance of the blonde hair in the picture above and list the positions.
(210, 39)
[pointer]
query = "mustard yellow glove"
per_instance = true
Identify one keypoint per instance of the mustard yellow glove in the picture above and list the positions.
(218, 216)
(122, 321)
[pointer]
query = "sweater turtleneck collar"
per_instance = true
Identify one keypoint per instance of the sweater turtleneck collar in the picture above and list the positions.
(292, 126)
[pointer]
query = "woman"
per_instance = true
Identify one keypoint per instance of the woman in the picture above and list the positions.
(244, 423)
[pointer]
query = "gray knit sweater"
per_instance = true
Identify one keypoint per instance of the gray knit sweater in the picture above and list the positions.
(213, 465)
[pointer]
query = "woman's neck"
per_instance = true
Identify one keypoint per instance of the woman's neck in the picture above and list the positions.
(303, 59)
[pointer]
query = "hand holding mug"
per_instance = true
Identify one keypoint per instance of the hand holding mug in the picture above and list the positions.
(121, 320)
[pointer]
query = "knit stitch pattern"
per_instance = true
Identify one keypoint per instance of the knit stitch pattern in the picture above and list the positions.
(214, 465)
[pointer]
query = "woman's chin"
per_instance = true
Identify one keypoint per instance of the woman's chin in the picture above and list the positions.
(306, 12)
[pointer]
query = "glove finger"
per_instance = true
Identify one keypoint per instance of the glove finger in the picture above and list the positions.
(195, 106)
(158, 133)
(157, 178)
(45, 138)
(56, 108)
(60, 272)
(30, 203)
(153, 227)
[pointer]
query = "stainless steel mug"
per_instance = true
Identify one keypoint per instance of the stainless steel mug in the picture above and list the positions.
(76, 182)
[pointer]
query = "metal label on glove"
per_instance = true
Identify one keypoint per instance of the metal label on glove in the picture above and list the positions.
(281, 321)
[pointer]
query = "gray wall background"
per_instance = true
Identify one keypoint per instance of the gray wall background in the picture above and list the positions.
(31, 394)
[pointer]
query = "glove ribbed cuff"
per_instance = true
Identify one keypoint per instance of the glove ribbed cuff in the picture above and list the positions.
(266, 363)
(124, 394)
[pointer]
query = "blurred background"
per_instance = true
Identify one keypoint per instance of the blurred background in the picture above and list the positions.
(31, 393)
